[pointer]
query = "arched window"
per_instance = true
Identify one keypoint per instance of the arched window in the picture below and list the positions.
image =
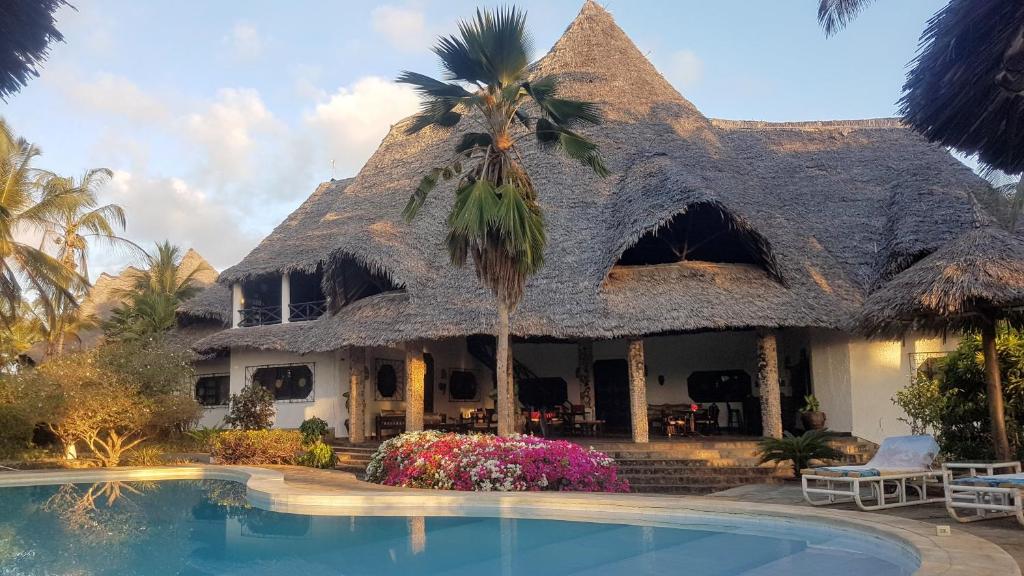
(704, 232)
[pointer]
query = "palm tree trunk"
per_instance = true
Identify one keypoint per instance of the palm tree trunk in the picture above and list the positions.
(994, 391)
(506, 417)
(59, 346)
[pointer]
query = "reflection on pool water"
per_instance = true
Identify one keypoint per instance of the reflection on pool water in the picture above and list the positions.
(205, 527)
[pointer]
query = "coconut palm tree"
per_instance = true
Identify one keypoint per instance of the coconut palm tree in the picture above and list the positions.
(80, 219)
(152, 300)
(22, 209)
(834, 15)
(495, 219)
(27, 28)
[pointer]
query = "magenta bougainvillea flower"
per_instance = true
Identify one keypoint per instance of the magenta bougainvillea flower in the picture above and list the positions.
(482, 462)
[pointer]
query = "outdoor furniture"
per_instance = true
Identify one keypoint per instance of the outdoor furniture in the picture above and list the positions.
(591, 427)
(734, 418)
(706, 420)
(391, 421)
(672, 419)
(899, 474)
(433, 421)
(981, 493)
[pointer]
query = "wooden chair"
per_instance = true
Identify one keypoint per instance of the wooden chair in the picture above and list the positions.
(707, 420)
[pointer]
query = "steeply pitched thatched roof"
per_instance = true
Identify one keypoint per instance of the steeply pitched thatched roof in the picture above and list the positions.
(978, 276)
(840, 206)
(966, 89)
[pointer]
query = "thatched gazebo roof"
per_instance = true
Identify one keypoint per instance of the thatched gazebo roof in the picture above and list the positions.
(966, 89)
(976, 278)
(831, 208)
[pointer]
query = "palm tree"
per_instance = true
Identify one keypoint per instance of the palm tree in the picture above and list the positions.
(495, 218)
(61, 322)
(27, 28)
(154, 296)
(81, 220)
(834, 15)
(19, 337)
(21, 207)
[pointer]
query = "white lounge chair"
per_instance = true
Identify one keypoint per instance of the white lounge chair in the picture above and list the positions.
(899, 474)
(979, 493)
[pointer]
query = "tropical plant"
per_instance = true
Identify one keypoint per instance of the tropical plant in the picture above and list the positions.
(204, 436)
(23, 208)
(18, 338)
(495, 218)
(27, 27)
(834, 15)
(923, 404)
(811, 404)
(798, 450)
(251, 409)
(318, 455)
(151, 302)
(313, 429)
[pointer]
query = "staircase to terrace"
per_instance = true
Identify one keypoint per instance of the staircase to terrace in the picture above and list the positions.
(685, 466)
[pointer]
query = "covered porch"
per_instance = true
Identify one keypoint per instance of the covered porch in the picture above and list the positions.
(661, 388)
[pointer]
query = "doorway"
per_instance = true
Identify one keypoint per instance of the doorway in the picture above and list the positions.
(611, 394)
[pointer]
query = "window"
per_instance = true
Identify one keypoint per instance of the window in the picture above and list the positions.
(719, 386)
(288, 382)
(213, 389)
(463, 387)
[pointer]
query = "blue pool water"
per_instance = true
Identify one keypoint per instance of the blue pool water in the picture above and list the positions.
(205, 527)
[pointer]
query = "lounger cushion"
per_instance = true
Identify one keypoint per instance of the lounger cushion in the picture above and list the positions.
(994, 481)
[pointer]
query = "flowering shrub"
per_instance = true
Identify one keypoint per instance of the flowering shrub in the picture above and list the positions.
(485, 463)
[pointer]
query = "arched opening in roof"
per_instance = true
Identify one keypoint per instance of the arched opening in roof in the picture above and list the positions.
(347, 280)
(704, 232)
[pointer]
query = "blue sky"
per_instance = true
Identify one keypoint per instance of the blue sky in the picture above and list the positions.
(219, 118)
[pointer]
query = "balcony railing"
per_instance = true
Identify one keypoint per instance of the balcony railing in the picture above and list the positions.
(305, 311)
(259, 316)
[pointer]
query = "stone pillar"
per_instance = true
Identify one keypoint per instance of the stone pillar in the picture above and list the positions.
(356, 395)
(638, 391)
(286, 298)
(768, 382)
(415, 373)
(237, 303)
(584, 368)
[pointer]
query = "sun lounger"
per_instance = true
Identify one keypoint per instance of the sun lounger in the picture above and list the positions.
(899, 474)
(976, 492)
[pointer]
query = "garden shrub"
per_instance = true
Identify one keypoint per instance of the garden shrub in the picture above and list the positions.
(204, 436)
(251, 409)
(257, 446)
(481, 462)
(15, 430)
(318, 455)
(145, 456)
(313, 429)
(954, 404)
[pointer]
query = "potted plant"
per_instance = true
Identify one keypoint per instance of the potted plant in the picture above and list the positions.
(799, 450)
(811, 414)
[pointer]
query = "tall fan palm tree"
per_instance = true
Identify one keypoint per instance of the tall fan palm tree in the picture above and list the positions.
(495, 219)
(22, 208)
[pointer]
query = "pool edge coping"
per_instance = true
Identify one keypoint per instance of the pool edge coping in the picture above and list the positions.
(958, 554)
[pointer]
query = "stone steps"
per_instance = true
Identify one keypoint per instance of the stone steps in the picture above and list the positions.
(354, 458)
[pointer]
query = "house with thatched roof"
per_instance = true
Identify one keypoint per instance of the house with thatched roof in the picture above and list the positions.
(725, 260)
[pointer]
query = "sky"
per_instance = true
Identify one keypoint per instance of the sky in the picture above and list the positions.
(220, 118)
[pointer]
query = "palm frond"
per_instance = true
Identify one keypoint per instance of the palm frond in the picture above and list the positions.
(834, 15)
(572, 144)
(432, 88)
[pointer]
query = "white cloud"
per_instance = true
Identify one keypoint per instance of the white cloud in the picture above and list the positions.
(229, 134)
(113, 95)
(405, 28)
(170, 209)
(351, 123)
(684, 69)
(244, 40)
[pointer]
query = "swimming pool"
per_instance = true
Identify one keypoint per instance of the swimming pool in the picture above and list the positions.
(207, 527)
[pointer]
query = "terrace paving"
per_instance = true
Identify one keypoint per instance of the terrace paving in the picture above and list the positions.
(1004, 532)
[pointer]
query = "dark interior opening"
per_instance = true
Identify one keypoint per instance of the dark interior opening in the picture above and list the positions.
(306, 287)
(703, 233)
(264, 291)
(351, 281)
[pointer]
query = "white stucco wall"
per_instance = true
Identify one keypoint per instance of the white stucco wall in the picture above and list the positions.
(330, 374)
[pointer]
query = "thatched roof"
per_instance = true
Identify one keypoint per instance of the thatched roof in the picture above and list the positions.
(966, 89)
(212, 303)
(977, 277)
(835, 208)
